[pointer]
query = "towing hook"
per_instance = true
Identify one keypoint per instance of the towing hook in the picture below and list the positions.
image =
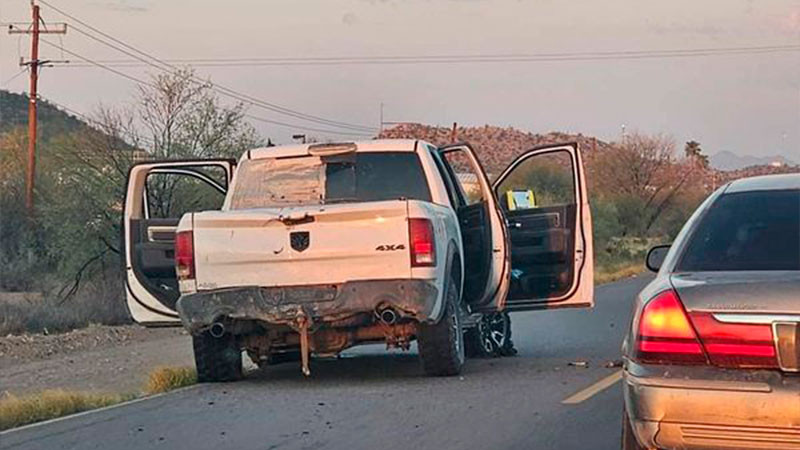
(303, 324)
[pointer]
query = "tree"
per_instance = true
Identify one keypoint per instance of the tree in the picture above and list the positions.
(17, 241)
(83, 173)
(694, 153)
(181, 117)
(643, 177)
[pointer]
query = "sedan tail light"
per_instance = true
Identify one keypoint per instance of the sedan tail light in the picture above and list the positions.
(668, 335)
(184, 255)
(422, 243)
(736, 344)
(665, 335)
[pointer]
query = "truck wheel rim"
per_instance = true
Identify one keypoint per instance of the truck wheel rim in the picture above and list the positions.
(497, 330)
(486, 336)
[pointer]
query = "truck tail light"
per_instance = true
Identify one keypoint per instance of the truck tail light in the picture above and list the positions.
(736, 345)
(422, 243)
(184, 255)
(665, 335)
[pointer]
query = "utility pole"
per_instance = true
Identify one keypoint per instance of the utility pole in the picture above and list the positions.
(381, 118)
(34, 30)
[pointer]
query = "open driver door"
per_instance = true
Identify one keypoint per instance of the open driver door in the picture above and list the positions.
(550, 238)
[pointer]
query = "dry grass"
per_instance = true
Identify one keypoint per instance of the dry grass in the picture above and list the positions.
(98, 303)
(164, 379)
(17, 411)
(613, 273)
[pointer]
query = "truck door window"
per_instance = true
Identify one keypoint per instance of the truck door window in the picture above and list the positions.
(171, 194)
(465, 177)
(541, 182)
(449, 183)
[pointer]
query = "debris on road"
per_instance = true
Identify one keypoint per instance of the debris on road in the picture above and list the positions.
(583, 364)
(614, 363)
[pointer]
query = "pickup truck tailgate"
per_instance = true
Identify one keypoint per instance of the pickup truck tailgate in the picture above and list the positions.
(333, 243)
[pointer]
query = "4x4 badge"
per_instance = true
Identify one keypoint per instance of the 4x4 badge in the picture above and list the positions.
(390, 247)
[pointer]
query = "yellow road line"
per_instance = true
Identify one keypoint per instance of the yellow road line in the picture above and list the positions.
(594, 389)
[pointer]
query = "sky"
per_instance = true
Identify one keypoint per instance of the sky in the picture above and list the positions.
(745, 103)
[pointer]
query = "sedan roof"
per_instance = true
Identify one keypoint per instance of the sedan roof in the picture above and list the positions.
(765, 183)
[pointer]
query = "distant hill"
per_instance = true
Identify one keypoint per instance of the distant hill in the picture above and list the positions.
(726, 160)
(496, 146)
(52, 121)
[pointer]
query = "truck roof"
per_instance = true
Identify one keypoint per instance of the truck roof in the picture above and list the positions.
(375, 145)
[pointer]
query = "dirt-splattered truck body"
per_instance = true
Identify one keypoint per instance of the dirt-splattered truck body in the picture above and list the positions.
(317, 248)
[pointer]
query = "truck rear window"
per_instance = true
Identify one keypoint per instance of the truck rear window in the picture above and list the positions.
(316, 180)
(757, 230)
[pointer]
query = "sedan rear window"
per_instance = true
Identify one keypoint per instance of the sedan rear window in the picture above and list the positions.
(758, 230)
(316, 180)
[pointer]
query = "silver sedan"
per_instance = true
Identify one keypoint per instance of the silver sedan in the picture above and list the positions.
(713, 351)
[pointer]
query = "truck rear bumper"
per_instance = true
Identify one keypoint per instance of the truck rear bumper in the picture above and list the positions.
(323, 303)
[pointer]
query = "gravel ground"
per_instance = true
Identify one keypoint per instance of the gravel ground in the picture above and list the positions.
(97, 358)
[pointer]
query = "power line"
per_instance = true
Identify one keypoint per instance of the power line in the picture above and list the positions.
(98, 124)
(219, 88)
(284, 124)
(146, 83)
(479, 58)
(98, 64)
(15, 76)
(229, 93)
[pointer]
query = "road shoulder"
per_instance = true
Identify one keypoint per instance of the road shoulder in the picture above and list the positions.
(103, 359)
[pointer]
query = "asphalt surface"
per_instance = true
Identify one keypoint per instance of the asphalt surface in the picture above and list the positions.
(373, 399)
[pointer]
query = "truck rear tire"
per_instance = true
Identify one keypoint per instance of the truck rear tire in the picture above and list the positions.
(441, 345)
(217, 359)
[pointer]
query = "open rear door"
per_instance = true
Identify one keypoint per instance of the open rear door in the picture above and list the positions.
(158, 194)
(483, 233)
(544, 198)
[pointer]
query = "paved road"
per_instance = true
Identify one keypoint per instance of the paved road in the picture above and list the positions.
(371, 399)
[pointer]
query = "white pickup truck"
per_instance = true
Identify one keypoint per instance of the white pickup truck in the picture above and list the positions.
(312, 249)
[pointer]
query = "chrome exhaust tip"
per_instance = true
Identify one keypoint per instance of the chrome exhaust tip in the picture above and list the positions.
(388, 316)
(217, 330)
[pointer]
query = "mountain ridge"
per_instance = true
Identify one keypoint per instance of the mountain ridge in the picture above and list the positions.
(727, 160)
(52, 120)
